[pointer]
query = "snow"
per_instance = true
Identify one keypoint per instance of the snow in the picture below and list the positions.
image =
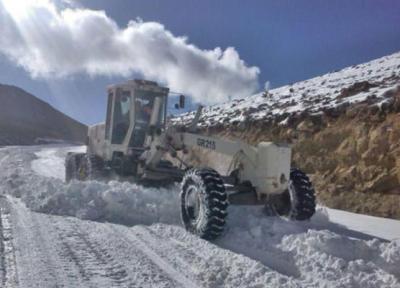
(333, 249)
(388, 229)
(40, 184)
(49, 165)
(312, 96)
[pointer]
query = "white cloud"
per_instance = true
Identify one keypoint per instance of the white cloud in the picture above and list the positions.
(51, 42)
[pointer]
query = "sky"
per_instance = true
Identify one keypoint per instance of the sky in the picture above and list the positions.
(69, 64)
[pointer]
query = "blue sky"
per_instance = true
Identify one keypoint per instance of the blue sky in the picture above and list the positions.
(288, 41)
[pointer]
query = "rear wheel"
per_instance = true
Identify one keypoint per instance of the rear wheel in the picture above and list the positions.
(91, 167)
(203, 203)
(298, 202)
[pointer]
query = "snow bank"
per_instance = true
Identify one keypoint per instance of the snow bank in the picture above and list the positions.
(49, 164)
(288, 254)
(318, 253)
(42, 188)
(342, 261)
(117, 202)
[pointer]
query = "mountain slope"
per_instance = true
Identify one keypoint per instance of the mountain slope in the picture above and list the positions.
(372, 83)
(344, 128)
(25, 119)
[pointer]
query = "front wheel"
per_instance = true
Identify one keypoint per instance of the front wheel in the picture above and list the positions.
(203, 203)
(298, 202)
(91, 167)
(72, 162)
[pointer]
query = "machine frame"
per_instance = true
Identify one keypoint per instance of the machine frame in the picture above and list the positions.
(257, 175)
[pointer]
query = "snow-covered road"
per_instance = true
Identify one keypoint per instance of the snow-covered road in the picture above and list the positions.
(77, 239)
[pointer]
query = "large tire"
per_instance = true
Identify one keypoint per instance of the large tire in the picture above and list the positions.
(91, 167)
(203, 203)
(298, 202)
(71, 166)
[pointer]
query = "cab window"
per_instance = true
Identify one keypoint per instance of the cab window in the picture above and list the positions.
(144, 105)
(121, 117)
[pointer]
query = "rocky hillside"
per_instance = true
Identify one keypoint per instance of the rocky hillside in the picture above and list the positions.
(344, 127)
(27, 120)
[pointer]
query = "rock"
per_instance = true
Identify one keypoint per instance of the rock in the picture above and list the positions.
(384, 182)
(356, 88)
(306, 126)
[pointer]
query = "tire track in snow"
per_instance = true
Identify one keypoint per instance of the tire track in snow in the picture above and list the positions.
(109, 260)
(151, 253)
(208, 263)
(37, 259)
(94, 262)
(7, 251)
(56, 251)
(185, 259)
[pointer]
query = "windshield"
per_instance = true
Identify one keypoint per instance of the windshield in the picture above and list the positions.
(144, 105)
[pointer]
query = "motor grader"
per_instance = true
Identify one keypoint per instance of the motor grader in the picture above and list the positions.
(136, 141)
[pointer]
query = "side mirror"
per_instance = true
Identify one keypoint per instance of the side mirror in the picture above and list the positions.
(181, 101)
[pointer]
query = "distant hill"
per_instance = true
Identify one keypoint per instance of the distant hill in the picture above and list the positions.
(27, 120)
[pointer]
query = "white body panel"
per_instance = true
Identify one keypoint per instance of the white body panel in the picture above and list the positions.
(98, 145)
(272, 168)
(266, 166)
(96, 134)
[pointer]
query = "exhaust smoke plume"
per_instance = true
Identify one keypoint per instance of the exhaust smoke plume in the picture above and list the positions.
(54, 42)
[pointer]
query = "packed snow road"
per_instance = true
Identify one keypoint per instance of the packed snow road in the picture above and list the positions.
(115, 234)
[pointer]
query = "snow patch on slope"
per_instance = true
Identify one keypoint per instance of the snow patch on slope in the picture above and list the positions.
(371, 82)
